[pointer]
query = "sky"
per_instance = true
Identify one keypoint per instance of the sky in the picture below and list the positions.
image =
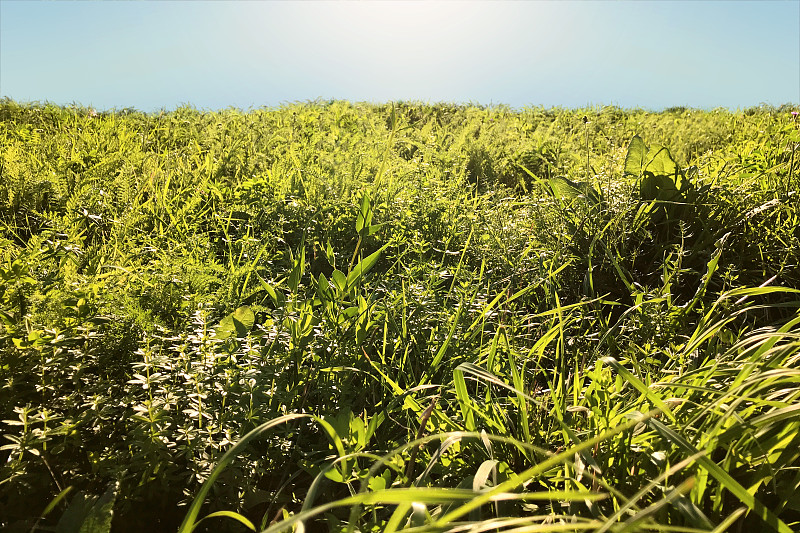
(246, 54)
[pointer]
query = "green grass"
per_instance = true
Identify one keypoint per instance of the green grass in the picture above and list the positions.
(339, 316)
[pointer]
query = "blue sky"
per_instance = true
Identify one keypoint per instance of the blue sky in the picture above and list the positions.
(214, 54)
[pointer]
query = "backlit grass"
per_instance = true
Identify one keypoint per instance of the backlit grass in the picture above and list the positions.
(339, 316)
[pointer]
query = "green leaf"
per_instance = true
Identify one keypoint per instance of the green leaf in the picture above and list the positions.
(339, 279)
(564, 188)
(375, 228)
(230, 514)
(464, 400)
(270, 291)
(364, 218)
(323, 287)
(336, 440)
(329, 255)
(479, 481)
(56, 501)
(636, 158)
(240, 322)
(358, 433)
(361, 333)
(377, 483)
(396, 389)
(362, 267)
(374, 422)
(660, 162)
(89, 514)
(298, 269)
(661, 177)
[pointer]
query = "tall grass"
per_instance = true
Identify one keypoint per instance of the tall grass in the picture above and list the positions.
(356, 317)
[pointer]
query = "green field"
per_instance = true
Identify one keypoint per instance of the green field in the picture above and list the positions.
(338, 316)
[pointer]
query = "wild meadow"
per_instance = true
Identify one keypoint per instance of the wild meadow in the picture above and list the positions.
(333, 316)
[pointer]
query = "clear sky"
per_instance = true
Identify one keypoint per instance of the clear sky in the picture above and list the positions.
(216, 54)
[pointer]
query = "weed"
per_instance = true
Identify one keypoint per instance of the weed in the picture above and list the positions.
(441, 317)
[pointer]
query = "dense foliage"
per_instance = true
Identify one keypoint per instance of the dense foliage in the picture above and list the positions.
(408, 315)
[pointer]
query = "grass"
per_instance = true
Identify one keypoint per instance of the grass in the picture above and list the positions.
(340, 316)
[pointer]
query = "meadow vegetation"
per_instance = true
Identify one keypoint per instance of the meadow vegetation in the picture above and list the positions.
(339, 316)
